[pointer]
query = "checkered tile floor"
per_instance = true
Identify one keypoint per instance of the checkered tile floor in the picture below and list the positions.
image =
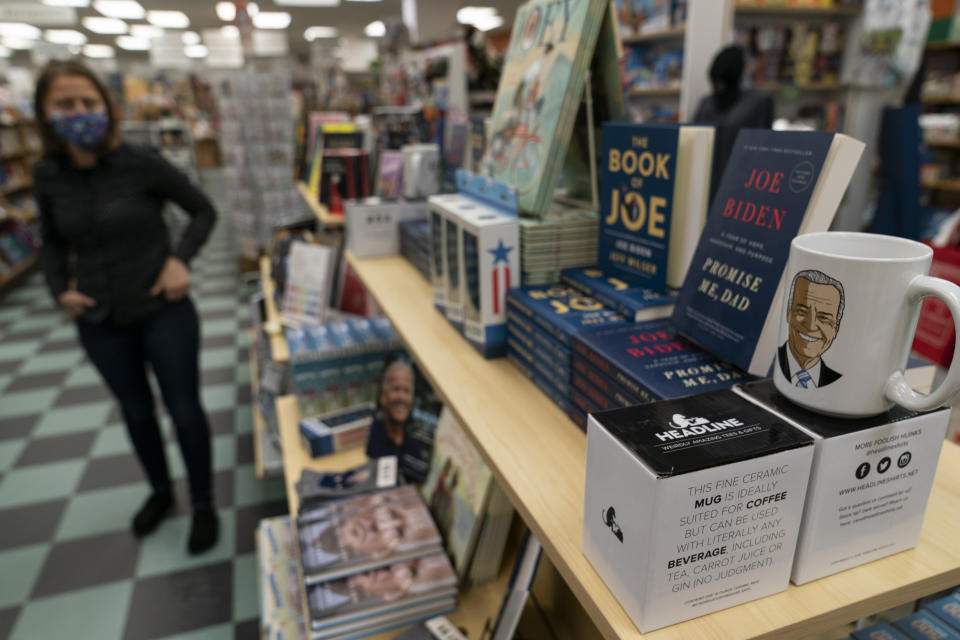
(69, 483)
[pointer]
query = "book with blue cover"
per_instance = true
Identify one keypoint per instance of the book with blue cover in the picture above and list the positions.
(519, 324)
(561, 311)
(777, 185)
(598, 400)
(654, 195)
(923, 625)
(558, 377)
(530, 344)
(652, 361)
(879, 631)
(631, 301)
(947, 609)
(605, 384)
(556, 396)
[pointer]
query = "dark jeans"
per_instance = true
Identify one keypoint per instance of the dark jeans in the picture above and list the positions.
(169, 341)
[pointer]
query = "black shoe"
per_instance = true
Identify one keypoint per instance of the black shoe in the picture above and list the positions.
(203, 530)
(151, 513)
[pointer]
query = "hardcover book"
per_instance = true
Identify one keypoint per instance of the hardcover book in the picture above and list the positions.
(777, 185)
(540, 91)
(316, 487)
(560, 311)
(626, 298)
(654, 191)
(364, 533)
(604, 383)
(652, 362)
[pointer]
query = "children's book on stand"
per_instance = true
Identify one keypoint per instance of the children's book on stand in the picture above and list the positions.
(777, 185)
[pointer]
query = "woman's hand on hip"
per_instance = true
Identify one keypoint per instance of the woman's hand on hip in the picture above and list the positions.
(174, 280)
(74, 303)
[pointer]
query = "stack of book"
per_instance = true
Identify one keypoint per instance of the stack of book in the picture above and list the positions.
(338, 364)
(567, 237)
(541, 321)
(281, 601)
(415, 244)
(373, 562)
(18, 242)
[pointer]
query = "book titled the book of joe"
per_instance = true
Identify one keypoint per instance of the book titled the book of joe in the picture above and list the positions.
(631, 301)
(777, 185)
(654, 363)
(364, 533)
(560, 311)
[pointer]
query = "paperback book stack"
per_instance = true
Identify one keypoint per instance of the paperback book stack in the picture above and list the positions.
(541, 322)
(567, 237)
(373, 562)
(281, 599)
(415, 244)
(338, 364)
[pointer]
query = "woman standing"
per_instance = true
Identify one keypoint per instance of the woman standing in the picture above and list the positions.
(109, 263)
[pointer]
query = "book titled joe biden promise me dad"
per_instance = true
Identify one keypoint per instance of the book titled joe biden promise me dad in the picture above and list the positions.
(777, 185)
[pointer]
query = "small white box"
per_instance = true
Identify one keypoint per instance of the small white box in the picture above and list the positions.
(693, 505)
(438, 248)
(372, 225)
(869, 484)
(452, 207)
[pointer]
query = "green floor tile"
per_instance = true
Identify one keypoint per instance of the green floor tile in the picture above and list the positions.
(243, 373)
(218, 358)
(74, 419)
(97, 612)
(40, 482)
(175, 461)
(243, 339)
(246, 601)
(224, 452)
(12, 314)
(9, 452)
(19, 349)
(110, 441)
(165, 550)
(5, 380)
(100, 511)
(225, 327)
(44, 321)
(62, 333)
(23, 403)
(249, 490)
(83, 376)
(243, 419)
(217, 303)
(218, 632)
(219, 396)
(48, 362)
(20, 567)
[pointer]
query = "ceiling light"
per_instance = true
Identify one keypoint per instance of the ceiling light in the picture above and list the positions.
(19, 30)
(230, 31)
(190, 37)
(168, 19)
(131, 43)
(20, 44)
(468, 15)
(364, 0)
(375, 29)
(5, 52)
(67, 3)
(196, 51)
(125, 9)
(487, 23)
(226, 11)
(111, 26)
(98, 51)
(64, 36)
(146, 31)
(271, 20)
(312, 33)
(252, 9)
(307, 3)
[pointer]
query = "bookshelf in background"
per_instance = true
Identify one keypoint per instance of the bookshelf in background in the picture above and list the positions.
(19, 227)
(652, 35)
(940, 121)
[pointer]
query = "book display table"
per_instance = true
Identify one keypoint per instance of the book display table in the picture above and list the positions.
(539, 458)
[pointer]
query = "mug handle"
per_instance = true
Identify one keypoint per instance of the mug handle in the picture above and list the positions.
(897, 389)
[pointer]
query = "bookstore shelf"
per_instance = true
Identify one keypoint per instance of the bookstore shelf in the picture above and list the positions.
(19, 186)
(946, 143)
(279, 350)
(323, 214)
(265, 465)
(539, 458)
(809, 87)
(18, 271)
(785, 10)
(653, 91)
(664, 34)
(952, 99)
(942, 45)
(475, 605)
(952, 184)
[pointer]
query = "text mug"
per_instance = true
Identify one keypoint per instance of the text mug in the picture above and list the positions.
(850, 310)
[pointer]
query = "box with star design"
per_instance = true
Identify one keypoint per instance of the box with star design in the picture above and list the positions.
(489, 265)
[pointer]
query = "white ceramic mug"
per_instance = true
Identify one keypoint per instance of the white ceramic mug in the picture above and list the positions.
(850, 310)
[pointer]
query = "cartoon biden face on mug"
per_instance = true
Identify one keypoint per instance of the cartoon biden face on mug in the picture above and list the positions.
(814, 311)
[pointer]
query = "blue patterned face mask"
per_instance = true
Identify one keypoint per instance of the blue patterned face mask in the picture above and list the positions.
(84, 130)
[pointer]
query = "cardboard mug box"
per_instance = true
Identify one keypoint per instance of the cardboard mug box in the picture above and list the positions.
(869, 485)
(693, 505)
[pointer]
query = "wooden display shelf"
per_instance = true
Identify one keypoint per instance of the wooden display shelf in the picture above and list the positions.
(18, 271)
(801, 10)
(653, 91)
(261, 464)
(279, 350)
(952, 99)
(19, 186)
(946, 143)
(323, 214)
(475, 605)
(539, 458)
(952, 184)
(663, 34)
(942, 45)
(807, 86)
